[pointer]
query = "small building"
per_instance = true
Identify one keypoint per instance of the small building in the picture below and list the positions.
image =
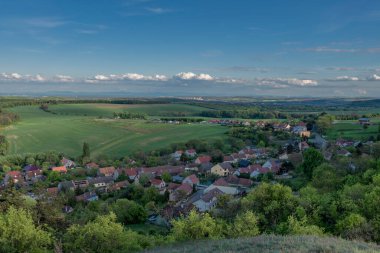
(364, 121)
(222, 169)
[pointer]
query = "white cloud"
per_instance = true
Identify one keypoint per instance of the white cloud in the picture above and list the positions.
(192, 76)
(63, 78)
(19, 77)
(286, 82)
(345, 78)
(374, 77)
(128, 76)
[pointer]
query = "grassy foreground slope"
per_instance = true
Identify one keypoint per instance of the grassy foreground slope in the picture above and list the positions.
(40, 131)
(272, 244)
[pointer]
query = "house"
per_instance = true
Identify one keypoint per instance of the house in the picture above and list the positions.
(33, 175)
(191, 167)
(229, 159)
(107, 171)
(177, 179)
(344, 143)
(273, 165)
(87, 197)
(203, 159)
(92, 165)
(61, 169)
(190, 153)
(172, 187)
(208, 200)
(222, 169)
(364, 121)
(191, 180)
(158, 183)
(306, 134)
(131, 173)
(205, 168)
(343, 152)
(82, 184)
(233, 180)
(119, 185)
(303, 146)
(15, 176)
(177, 155)
(301, 127)
(223, 186)
(101, 182)
(67, 163)
(181, 192)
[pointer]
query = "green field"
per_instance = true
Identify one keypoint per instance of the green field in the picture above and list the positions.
(41, 131)
(107, 110)
(350, 129)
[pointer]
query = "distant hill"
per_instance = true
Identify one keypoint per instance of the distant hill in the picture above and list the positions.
(272, 244)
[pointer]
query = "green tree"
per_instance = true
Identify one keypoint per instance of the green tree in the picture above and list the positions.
(324, 123)
(86, 150)
(300, 227)
(196, 226)
(272, 203)
(325, 178)
(245, 225)
(18, 233)
(311, 159)
(103, 235)
(129, 212)
(166, 177)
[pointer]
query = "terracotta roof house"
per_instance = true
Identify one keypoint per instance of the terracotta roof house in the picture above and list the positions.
(220, 182)
(158, 183)
(182, 191)
(273, 166)
(119, 185)
(228, 159)
(191, 180)
(233, 180)
(203, 159)
(15, 176)
(205, 167)
(61, 169)
(131, 173)
(107, 171)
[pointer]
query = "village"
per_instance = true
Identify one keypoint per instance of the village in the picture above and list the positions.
(191, 180)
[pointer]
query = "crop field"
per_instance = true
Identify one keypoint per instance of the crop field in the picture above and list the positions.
(107, 110)
(350, 129)
(42, 131)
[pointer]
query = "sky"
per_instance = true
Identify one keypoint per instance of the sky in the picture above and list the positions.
(294, 48)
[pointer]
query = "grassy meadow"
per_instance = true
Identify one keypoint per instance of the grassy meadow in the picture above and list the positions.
(71, 125)
(350, 129)
(272, 244)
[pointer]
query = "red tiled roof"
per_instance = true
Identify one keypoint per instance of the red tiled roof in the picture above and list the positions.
(204, 159)
(220, 182)
(60, 169)
(185, 188)
(155, 181)
(107, 170)
(14, 173)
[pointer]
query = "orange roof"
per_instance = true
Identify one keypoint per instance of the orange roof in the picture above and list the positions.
(59, 169)
(107, 170)
(14, 173)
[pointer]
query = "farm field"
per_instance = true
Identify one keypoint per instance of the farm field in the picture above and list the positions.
(41, 131)
(107, 110)
(350, 129)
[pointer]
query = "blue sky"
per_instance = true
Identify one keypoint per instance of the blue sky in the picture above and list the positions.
(190, 47)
